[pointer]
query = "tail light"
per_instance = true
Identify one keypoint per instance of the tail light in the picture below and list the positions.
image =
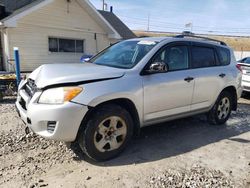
(239, 67)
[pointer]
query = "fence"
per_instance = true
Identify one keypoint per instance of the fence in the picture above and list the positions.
(241, 54)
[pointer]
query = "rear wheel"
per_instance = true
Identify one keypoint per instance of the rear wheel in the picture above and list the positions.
(221, 111)
(107, 133)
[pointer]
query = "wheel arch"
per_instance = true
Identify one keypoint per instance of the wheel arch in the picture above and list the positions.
(125, 103)
(232, 90)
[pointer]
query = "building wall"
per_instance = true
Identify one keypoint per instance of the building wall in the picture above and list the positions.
(58, 19)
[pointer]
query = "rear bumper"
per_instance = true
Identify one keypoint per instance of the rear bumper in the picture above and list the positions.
(57, 122)
(246, 83)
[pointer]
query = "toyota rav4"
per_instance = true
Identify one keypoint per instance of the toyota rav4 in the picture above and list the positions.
(102, 103)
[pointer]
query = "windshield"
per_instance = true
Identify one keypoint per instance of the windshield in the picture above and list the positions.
(124, 54)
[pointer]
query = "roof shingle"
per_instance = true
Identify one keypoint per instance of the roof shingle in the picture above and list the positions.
(12, 5)
(117, 24)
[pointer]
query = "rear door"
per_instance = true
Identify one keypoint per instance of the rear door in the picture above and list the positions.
(210, 76)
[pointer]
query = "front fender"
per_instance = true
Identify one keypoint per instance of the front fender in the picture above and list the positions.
(128, 87)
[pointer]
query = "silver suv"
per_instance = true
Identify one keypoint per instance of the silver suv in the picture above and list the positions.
(101, 104)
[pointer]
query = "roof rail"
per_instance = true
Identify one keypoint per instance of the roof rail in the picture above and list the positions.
(199, 37)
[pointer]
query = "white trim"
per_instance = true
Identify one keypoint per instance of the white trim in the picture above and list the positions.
(12, 20)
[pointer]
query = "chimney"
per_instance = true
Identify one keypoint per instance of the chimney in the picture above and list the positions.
(111, 9)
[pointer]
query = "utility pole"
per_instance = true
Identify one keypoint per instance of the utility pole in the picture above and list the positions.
(148, 28)
(103, 3)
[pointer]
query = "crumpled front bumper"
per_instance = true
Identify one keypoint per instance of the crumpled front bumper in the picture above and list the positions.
(57, 122)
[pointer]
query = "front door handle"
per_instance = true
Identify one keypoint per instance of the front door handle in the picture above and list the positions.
(222, 75)
(189, 79)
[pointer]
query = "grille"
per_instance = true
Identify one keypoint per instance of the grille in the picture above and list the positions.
(30, 88)
(23, 103)
(51, 125)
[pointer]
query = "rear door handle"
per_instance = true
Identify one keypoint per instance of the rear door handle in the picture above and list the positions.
(189, 79)
(222, 75)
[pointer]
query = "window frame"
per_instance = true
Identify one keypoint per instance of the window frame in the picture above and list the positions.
(64, 38)
(202, 45)
(171, 44)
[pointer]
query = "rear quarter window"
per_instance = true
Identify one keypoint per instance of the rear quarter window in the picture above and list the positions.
(224, 56)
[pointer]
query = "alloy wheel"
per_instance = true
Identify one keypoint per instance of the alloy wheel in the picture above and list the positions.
(110, 134)
(223, 108)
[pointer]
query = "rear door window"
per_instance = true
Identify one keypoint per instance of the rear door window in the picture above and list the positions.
(224, 56)
(202, 57)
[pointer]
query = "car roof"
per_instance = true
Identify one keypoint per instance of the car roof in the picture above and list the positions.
(153, 39)
(203, 40)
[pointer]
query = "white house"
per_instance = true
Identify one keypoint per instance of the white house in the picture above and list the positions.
(55, 31)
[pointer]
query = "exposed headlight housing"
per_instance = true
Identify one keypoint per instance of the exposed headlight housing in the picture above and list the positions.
(59, 95)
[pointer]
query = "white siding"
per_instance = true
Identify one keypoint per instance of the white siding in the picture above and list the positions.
(55, 20)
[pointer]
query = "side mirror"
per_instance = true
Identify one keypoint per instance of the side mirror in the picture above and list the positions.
(157, 67)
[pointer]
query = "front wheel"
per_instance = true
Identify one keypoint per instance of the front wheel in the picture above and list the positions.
(221, 110)
(107, 133)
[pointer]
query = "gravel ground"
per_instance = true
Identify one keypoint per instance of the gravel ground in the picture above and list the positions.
(183, 153)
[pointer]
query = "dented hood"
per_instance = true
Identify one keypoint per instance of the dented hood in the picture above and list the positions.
(53, 74)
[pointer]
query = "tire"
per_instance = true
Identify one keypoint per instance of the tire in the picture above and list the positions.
(245, 94)
(1, 96)
(221, 110)
(107, 133)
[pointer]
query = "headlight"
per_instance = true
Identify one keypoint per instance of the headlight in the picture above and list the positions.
(59, 95)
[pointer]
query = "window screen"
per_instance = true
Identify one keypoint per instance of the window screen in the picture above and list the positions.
(53, 45)
(66, 45)
(202, 57)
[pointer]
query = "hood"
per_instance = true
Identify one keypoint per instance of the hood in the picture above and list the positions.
(52, 74)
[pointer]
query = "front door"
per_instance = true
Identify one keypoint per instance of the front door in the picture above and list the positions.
(170, 93)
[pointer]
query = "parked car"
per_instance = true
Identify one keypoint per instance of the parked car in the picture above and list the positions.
(244, 64)
(101, 104)
(85, 58)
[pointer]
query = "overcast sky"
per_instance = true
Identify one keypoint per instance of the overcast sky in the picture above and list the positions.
(231, 17)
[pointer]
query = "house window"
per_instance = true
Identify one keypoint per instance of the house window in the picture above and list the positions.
(66, 45)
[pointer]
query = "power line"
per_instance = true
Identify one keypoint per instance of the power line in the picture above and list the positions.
(144, 20)
(180, 29)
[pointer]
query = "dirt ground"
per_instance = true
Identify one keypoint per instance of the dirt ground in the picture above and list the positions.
(187, 150)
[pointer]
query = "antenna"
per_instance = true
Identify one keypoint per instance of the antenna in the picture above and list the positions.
(104, 5)
(148, 28)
